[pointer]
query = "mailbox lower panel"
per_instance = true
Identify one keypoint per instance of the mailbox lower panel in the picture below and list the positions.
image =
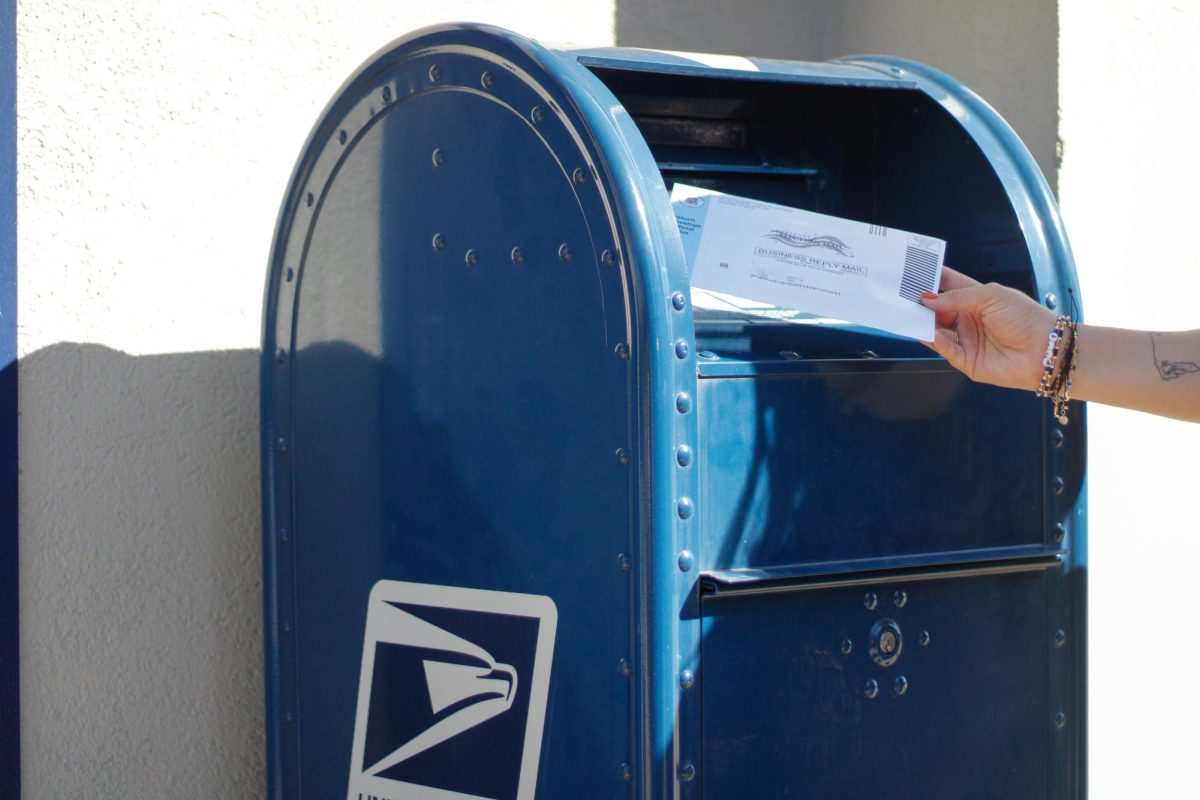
(787, 712)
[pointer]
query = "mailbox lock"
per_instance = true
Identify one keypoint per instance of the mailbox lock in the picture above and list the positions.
(886, 642)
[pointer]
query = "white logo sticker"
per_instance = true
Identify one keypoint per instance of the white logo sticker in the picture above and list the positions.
(452, 693)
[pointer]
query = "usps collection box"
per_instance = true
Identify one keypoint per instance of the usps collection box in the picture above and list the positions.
(542, 521)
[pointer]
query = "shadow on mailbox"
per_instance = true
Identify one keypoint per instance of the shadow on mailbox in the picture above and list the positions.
(533, 526)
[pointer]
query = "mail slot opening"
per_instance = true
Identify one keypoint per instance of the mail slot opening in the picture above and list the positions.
(887, 154)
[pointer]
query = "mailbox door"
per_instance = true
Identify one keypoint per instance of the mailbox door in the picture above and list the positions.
(903, 689)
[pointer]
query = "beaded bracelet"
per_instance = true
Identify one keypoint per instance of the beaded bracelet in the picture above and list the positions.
(1056, 380)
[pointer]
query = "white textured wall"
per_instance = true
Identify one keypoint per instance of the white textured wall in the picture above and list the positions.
(155, 140)
(1129, 95)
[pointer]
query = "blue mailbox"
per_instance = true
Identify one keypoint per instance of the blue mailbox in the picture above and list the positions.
(535, 527)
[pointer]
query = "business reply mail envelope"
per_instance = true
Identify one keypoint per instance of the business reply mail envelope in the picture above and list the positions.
(750, 255)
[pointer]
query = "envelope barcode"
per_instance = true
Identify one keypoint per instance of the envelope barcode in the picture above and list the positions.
(920, 273)
(877, 230)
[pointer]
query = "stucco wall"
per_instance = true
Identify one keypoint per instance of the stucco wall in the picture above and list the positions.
(155, 140)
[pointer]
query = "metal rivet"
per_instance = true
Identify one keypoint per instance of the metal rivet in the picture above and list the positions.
(897, 71)
(435, 74)
(681, 348)
(790, 355)
(289, 274)
(923, 638)
(439, 242)
(900, 598)
(621, 351)
(900, 685)
(687, 771)
(684, 508)
(386, 94)
(678, 301)
(1051, 301)
(871, 601)
(687, 679)
(868, 354)
(1057, 437)
(1060, 720)
(708, 355)
(683, 402)
(283, 534)
(342, 137)
(280, 355)
(607, 258)
(471, 258)
(1060, 637)
(282, 444)
(308, 199)
(485, 80)
(439, 157)
(1058, 485)
(626, 772)
(683, 455)
(685, 561)
(579, 176)
(622, 456)
(871, 689)
(623, 562)
(288, 716)
(517, 256)
(847, 646)
(624, 668)
(1060, 531)
(564, 253)
(537, 115)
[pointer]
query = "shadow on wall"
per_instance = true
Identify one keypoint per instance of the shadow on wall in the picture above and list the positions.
(140, 574)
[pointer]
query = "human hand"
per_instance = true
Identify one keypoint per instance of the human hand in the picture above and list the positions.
(991, 333)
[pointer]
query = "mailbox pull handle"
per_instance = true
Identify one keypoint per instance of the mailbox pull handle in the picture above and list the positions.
(827, 575)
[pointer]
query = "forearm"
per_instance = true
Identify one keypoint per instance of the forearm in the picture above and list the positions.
(1154, 372)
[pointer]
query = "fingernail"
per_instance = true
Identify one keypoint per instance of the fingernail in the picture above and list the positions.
(928, 296)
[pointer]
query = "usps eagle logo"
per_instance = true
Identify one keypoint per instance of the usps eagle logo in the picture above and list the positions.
(452, 693)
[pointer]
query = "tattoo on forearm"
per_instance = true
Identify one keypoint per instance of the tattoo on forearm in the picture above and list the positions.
(1170, 370)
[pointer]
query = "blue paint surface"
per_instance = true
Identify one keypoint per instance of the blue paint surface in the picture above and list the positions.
(471, 379)
(10, 768)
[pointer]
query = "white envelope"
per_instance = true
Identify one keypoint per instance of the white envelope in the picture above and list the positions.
(767, 259)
